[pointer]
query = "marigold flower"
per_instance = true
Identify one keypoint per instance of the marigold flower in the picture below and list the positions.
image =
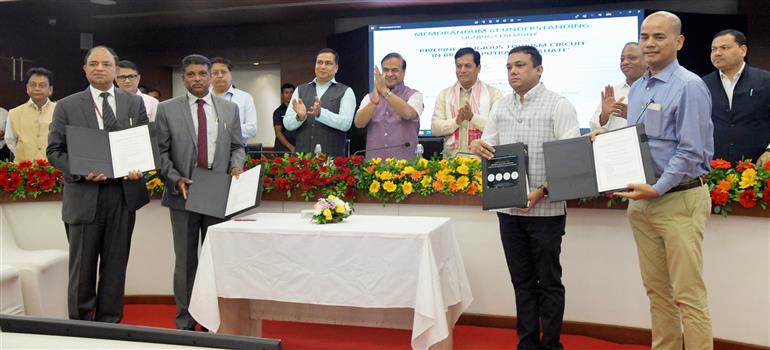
(463, 182)
(407, 188)
(426, 181)
(463, 169)
(423, 163)
(748, 178)
(724, 185)
(720, 164)
(389, 186)
(374, 187)
(438, 185)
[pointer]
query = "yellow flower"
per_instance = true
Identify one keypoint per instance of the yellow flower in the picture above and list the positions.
(463, 169)
(426, 181)
(463, 182)
(385, 175)
(331, 198)
(400, 163)
(407, 188)
(389, 186)
(152, 172)
(340, 209)
(374, 187)
(327, 214)
(443, 163)
(748, 178)
(153, 183)
(408, 170)
(477, 176)
(375, 161)
(423, 163)
(732, 178)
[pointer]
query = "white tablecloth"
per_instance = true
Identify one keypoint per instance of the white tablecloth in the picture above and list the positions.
(365, 261)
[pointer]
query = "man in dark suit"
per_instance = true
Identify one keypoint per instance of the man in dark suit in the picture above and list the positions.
(740, 97)
(98, 213)
(197, 129)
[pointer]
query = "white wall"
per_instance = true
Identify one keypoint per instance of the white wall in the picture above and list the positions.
(263, 82)
(601, 270)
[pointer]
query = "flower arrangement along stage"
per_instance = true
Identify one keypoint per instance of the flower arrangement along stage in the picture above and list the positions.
(330, 210)
(391, 180)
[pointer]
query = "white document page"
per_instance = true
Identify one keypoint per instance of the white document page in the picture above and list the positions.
(618, 159)
(243, 191)
(131, 149)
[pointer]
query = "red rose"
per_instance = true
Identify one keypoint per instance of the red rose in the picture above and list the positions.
(267, 181)
(719, 197)
(720, 164)
(340, 161)
(350, 180)
(292, 159)
(280, 184)
(767, 165)
(14, 180)
(25, 164)
(42, 162)
(277, 160)
(766, 195)
(748, 198)
(357, 160)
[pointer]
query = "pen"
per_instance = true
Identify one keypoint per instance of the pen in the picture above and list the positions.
(751, 92)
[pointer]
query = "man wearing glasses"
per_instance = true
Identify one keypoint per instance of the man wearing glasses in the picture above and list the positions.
(27, 130)
(128, 80)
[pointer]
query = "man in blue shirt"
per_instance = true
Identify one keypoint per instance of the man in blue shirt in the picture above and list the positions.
(322, 110)
(668, 218)
(222, 86)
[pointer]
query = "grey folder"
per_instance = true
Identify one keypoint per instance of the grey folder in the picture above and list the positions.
(209, 190)
(570, 170)
(88, 151)
(505, 178)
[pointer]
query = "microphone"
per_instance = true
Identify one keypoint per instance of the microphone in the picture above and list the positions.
(404, 145)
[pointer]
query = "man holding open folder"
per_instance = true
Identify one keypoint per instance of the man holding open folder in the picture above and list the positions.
(98, 212)
(201, 130)
(668, 218)
(531, 236)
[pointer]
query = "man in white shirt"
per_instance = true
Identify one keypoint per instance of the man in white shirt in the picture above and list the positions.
(531, 237)
(128, 80)
(612, 110)
(222, 86)
(461, 109)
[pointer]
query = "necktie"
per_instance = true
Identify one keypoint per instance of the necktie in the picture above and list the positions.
(108, 116)
(203, 147)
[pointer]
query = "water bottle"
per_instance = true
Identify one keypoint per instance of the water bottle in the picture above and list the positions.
(317, 149)
(418, 151)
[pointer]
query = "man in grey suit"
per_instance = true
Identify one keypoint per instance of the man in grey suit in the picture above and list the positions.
(98, 212)
(197, 129)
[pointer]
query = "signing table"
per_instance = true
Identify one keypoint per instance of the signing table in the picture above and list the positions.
(369, 270)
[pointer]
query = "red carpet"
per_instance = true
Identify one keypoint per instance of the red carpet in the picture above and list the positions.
(306, 336)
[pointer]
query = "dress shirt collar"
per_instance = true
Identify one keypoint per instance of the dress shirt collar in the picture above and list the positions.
(230, 91)
(96, 92)
(192, 99)
(665, 74)
(34, 105)
(315, 82)
(737, 76)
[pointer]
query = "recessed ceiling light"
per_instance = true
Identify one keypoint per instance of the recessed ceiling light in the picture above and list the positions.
(104, 2)
(256, 63)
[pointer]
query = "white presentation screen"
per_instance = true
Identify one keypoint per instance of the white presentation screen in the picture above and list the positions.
(581, 52)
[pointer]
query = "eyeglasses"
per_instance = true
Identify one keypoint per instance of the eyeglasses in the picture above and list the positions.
(127, 77)
(40, 85)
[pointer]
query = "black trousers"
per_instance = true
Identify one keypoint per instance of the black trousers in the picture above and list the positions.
(188, 229)
(532, 246)
(104, 243)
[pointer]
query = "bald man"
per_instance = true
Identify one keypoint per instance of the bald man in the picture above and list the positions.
(612, 111)
(668, 218)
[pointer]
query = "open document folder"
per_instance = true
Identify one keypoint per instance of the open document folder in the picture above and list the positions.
(219, 195)
(506, 184)
(112, 153)
(578, 168)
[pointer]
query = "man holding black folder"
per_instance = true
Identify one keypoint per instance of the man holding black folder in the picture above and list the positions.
(98, 212)
(201, 130)
(531, 236)
(668, 218)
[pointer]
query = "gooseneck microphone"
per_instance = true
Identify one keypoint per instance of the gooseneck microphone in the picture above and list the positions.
(402, 145)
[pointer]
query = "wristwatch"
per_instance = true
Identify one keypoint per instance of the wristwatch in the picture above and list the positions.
(544, 189)
(388, 94)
